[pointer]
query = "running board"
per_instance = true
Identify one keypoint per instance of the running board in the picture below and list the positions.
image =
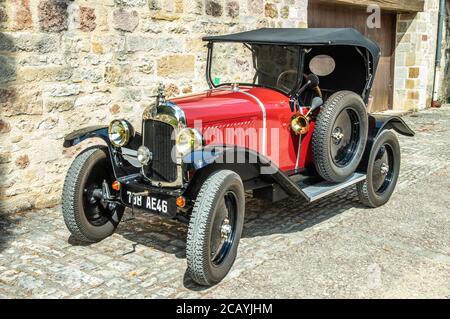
(313, 191)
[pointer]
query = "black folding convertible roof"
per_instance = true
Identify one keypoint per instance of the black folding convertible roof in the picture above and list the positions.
(299, 36)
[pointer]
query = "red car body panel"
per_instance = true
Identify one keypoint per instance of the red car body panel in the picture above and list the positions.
(215, 111)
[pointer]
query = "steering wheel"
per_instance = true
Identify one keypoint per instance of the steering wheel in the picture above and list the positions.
(281, 76)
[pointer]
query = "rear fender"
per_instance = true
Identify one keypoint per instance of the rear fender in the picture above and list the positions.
(378, 124)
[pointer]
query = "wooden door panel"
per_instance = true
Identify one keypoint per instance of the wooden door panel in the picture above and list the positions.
(323, 15)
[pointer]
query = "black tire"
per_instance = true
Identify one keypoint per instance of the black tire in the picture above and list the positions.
(89, 222)
(382, 171)
(209, 261)
(340, 136)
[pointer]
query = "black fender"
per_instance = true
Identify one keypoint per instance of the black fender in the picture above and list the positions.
(120, 166)
(379, 123)
(80, 135)
(255, 169)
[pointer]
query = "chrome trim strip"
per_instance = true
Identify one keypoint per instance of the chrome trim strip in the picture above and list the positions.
(263, 110)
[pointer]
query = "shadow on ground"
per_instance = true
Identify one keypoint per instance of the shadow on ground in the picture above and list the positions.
(7, 225)
(262, 219)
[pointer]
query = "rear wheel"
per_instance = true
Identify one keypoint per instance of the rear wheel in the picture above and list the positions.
(382, 171)
(87, 216)
(340, 136)
(215, 228)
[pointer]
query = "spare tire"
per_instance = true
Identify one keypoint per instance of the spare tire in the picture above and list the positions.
(340, 136)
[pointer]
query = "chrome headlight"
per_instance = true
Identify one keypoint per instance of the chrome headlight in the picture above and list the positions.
(144, 155)
(188, 140)
(120, 132)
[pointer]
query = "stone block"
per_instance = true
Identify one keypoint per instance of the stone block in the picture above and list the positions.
(97, 48)
(411, 84)
(414, 73)
(413, 95)
(22, 15)
(87, 19)
(3, 14)
(62, 90)
(61, 105)
(130, 3)
(410, 59)
(213, 8)
(233, 9)
(284, 12)
(27, 41)
(169, 45)
(176, 65)
(255, 6)
(125, 20)
(8, 71)
(138, 43)
(53, 15)
(5, 127)
(21, 100)
(270, 10)
(22, 161)
(164, 16)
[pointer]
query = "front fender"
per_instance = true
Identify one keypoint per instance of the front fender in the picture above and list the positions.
(80, 135)
(247, 163)
(120, 166)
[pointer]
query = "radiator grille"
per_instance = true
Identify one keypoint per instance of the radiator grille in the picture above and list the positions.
(158, 139)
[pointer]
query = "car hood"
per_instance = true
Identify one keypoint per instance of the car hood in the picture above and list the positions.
(220, 105)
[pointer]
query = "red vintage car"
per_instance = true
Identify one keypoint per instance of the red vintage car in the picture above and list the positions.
(285, 115)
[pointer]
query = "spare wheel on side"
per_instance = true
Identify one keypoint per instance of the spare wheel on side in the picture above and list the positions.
(340, 136)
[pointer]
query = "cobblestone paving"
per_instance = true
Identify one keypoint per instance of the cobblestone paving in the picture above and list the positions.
(332, 248)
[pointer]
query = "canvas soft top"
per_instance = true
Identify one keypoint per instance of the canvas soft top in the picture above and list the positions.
(299, 36)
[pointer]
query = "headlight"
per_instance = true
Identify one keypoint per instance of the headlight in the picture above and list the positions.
(144, 155)
(188, 140)
(120, 132)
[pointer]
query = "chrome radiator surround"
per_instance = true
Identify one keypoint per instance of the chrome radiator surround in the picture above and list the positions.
(169, 113)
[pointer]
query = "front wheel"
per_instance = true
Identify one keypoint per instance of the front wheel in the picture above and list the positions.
(215, 228)
(87, 215)
(382, 171)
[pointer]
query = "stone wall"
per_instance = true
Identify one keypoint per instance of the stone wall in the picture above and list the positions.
(415, 58)
(69, 64)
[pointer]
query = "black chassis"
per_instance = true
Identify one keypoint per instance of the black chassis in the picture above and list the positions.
(274, 187)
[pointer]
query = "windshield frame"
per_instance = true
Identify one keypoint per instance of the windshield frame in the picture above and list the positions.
(300, 68)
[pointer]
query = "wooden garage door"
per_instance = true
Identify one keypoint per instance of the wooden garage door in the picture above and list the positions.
(323, 15)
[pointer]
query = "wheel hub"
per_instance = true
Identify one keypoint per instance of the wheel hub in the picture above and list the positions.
(225, 229)
(337, 135)
(384, 169)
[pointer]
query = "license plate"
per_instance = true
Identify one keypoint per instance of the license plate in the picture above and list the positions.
(152, 203)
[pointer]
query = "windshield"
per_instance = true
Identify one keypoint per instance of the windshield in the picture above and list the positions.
(272, 66)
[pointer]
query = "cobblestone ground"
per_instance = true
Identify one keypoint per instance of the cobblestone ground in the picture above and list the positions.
(332, 248)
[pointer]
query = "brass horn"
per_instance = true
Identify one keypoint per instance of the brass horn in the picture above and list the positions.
(300, 124)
